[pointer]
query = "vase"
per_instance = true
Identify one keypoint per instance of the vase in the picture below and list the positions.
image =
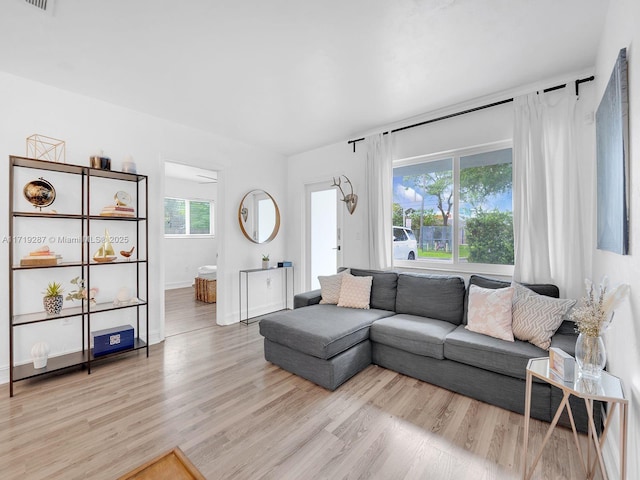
(591, 356)
(265, 264)
(53, 305)
(40, 354)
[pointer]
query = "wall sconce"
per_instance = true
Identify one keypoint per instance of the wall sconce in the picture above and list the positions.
(351, 199)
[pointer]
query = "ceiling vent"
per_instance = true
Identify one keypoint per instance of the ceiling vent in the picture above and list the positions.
(45, 6)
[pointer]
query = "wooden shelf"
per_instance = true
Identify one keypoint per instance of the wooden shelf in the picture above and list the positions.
(38, 317)
(59, 265)
(127, 177)
(57, 216)
(84, 313)
(109, 306)
(76, 359)
(22, 372)
(117, 262)
(49, 166)
(116, 218)
(75, 169)
(77, 264)
(137, 345)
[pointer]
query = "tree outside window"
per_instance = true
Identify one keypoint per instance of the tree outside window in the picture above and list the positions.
(461, 207)
(188, 217)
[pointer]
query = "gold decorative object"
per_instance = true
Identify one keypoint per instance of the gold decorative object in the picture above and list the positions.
(39, 193)
(259, 216)
(105, 253)
(350, 199)
(41, 147)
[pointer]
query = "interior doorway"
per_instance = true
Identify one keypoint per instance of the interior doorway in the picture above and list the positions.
(323, 249)
(191, 246)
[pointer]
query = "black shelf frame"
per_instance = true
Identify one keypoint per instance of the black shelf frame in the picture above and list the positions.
(70, 360)
(83, 358)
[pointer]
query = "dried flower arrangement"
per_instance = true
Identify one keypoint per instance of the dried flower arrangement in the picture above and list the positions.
(596, 312)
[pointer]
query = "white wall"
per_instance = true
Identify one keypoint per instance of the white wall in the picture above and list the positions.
(185, 255)
(88, 125)
(319, 166)
(486, 126)
(622, 29)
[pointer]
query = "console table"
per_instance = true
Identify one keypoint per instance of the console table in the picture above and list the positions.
(607, 389)
(244, 292)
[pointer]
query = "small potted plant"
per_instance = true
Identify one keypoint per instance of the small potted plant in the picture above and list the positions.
(265, 260)
(53, 299)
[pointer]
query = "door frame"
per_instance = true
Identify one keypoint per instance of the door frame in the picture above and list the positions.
(309, 188)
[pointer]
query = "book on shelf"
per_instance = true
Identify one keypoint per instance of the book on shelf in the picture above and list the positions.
(117, 211)
(42, 251)
(117, 208)
(40, 260)
(117, 214)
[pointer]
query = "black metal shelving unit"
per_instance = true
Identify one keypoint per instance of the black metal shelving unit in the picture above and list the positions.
(84, 357)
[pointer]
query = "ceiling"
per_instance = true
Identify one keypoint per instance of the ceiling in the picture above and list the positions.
(290, 75)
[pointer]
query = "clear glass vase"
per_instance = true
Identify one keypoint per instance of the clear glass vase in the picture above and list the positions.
(591, 356)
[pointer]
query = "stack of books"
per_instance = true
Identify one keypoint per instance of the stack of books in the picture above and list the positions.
(117, 211)
(41, 257)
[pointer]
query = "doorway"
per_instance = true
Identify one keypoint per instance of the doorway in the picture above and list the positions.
(191, 244)
(323, 249)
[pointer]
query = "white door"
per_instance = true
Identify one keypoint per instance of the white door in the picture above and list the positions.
(323, 238)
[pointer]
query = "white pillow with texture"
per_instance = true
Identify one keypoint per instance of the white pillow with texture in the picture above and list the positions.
(489, 312)
(355, 292)
(537, 317)
(330, 287)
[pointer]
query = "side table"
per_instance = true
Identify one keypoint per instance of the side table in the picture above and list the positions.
(607, 389)
(243, 279)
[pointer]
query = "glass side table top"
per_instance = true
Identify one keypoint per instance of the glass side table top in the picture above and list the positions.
(607, 388)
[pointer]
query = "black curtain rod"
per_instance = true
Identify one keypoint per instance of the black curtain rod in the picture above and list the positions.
(475, 109)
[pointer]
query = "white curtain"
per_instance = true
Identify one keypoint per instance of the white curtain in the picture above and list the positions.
(552, 239)
(379, 177)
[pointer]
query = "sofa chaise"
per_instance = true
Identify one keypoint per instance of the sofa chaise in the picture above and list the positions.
(416, 326)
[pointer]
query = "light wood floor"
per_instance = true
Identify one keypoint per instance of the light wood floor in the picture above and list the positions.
(210, 392)
(183, 313)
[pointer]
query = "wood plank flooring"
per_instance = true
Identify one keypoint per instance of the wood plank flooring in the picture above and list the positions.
(183, 313)
(210, 392)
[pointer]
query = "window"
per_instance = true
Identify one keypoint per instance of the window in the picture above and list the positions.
(188, 217)
(459, 206)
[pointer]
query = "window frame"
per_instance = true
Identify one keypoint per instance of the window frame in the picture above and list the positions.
(187, 214)
(455, 265)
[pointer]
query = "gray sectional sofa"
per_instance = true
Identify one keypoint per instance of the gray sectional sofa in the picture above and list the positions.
(415, 326)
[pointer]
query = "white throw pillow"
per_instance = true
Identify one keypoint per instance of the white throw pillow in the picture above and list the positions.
(355, 292)
(537, 317)
(489, 312)
(330, 287)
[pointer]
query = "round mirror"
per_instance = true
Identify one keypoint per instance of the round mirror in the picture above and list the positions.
(259, 217)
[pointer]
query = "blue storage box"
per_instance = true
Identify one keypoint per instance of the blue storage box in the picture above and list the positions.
(112, 340)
